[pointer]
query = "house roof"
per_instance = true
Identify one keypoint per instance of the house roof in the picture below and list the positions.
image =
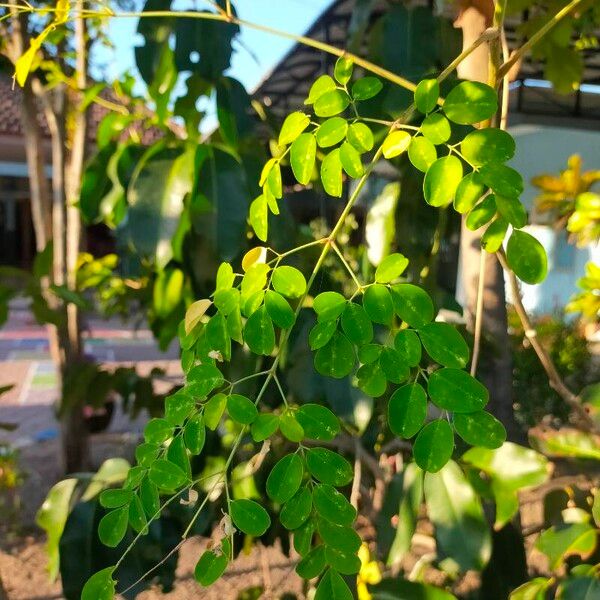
(288, 83)
(10, 115)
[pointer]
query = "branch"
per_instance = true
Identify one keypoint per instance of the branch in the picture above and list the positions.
(555, 380)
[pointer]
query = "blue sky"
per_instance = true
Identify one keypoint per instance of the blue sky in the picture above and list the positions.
(294, 16)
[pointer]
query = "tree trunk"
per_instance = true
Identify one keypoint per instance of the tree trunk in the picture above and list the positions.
(496, 365)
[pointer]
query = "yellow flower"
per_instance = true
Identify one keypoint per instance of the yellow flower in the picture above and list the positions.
(369, 573)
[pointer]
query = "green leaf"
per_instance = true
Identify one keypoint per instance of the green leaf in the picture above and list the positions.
(408, 345)
(457, 391)
(350, 159)
(321, 333)
(178, 407)
(393, 365)
(166, 475)
(480, 429)
(332, 587)
(470, 102)
(285, 478)
(289, 281)
(436, 128)
(331, 173)
(313, 564)
(279, 310)
(343, 562)
(195, 434)
(149, 498)
(357, 324)
(318, 422)
(290, 427)
(322, 84)
(331, 132)
(468, 193)
(372, 380)
(137, 516)
(210, 567)
(259, 333)
(158, 431)
(366, 88)
(390, 268)
(396, 143)
(146, 453)
(52, 517)
(303, 537)
(213, 410)
(512, 210)
(461, 530)
(441, 180)
(580, 587)
(565, 442)
(526, 257)
(369, 353)
(434, 445)
(503, 180)
(494, 235)
(407, 410)
(115, 498)
(217, 335)
(332, 505)
(576, 539)
(329, 305)
(482, 213)
(302, 157)
(177, 454)
(336, 358)
(532, 590)
(331, 103)
(297, 509)
(241, 409)
(421, 153)
(342, 538)
(249, 517)
(227, 301)
(328, 467)
(343, 69)
(361, 137)
(295, 123)
(205, 378)
(100, 586)
(488, 145)
(378, 304)
(113, 526)
(412, 304)
(445, 344)
(426, 95)
(264, 426)
(258, 216)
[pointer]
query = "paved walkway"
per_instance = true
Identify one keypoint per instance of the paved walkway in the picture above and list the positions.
(26, 365)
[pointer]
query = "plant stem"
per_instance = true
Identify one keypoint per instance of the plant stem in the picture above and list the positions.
(346, 265)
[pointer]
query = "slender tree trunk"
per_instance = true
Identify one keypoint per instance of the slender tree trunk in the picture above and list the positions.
(496, 358)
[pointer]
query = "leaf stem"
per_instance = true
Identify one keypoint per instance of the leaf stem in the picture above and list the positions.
(347, 266)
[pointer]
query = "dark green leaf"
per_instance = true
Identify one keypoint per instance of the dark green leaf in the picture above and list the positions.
(178, 407)
(512, 210)
(482, 213)
(137, 516)
(259, 333)
(296, 510)
(407, 410)
(333, 587)
(336, 358)
(457, 391)
(503, 180)
(177, 454)
(480, 429)
(241, 409)
(526, 257)
(340, 537)
(146, 453)
(279, 310)
(285, 478)
(210, 567)
(113, 526)
(303, 537)
(372, 380)
(302, 157)
(343, 562)
(318, 422)
(149, 498)
(441, 180)
(434, 445)
(321, 333)
(393, 365)
(445, 344)
(470, 102)
(115, 498)
(166, 475)
(412, 304)
(366, 88)
(264, 426)
(378, 304)
(356, 324)
(249, 517)
(328, 467)
(408, 345)
(313, 564)
(194, 434)
(332, 505)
